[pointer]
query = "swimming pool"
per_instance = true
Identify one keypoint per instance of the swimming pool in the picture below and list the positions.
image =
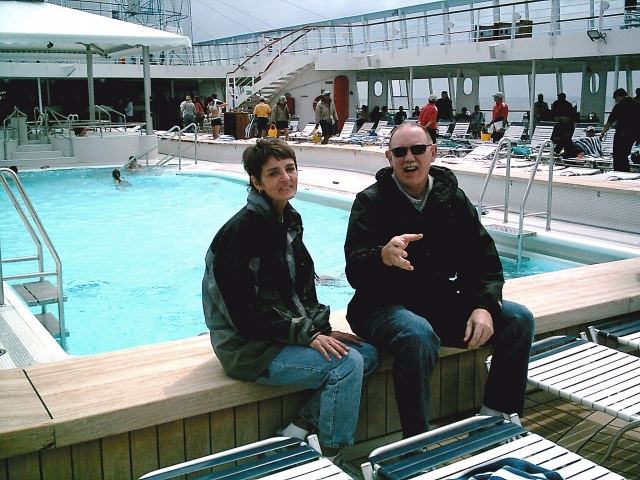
(133, 255)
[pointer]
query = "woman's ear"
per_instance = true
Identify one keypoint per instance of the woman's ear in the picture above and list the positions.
(255, 182)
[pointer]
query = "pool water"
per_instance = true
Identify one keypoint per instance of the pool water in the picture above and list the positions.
(133, 255)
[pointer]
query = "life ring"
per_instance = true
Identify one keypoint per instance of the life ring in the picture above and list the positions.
(315, 102)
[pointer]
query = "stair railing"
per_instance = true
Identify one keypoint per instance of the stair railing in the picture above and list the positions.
(521, 211)
(16, 113)
(238, 80)
(41, 273)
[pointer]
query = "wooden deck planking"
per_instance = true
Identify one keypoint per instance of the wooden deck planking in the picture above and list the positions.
(24, 422)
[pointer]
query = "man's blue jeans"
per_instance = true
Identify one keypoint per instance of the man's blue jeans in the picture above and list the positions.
(188, 120)
(415, 343)
(333, 408)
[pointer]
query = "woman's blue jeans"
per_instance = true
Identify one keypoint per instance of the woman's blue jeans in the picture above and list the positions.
(414, 342)
(333, 408)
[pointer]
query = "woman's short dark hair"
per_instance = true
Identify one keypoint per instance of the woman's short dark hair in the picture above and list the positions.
(254, 157)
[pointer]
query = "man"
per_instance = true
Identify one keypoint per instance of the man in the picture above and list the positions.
(499, 116)
(627, 113)
(326, 116)
(262, 111)
(588, 145)
(428, 117)
(637, 97)
(280, 116)
(400, 115)
(427, 273)
(445, 107)
(463, 115)
(188, 110)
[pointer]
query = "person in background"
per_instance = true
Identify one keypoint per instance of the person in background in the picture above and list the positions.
(260, 305)
(375, 116)
(588, 145)
(400, 115)
(363, 116)
(426, 273)
(386, 115)
(541, 110)
(215, 107)
(428, 116)
(326, 116)
(416, 112)
(14, 169)
(499, 116)
(188, 111)
(262, 111)
(280, 116)
(562, 111)
(476, 122)
(116, 175)
(445, 107)
(637, 97)
(199, 116)
(626, 113)
(463, 115)
(128, 110)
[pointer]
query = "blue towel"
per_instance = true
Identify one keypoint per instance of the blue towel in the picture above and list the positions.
(511, 469)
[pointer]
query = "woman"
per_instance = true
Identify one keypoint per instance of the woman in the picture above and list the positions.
(199, 117)
(280, 117)
(260, 304)
(326, 116)
(214, 115)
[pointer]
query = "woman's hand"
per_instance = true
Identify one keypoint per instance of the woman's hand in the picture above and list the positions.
(329, 345)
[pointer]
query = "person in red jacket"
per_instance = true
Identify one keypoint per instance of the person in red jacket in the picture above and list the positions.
(428, 115)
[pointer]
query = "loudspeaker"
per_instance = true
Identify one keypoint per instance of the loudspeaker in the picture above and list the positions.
(496, 51)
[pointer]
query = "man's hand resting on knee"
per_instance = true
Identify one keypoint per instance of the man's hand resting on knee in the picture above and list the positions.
(479, 329)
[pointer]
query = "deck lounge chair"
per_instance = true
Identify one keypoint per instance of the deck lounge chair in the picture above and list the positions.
(481, 153)
(607, 142)
(460, 130)
(622, 333)
(541, 134)
(514, 132)
(293, 123)
(346, 132)
(278, 458)
(443, 129)
(457, 449)
(593, 375)
(305, 133)
(365, 129)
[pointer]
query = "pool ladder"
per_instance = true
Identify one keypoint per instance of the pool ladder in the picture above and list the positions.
(519, 233)
(40, 292)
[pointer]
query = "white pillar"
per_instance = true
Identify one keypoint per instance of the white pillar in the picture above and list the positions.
(410, 90)
(39, 96)
(616, 75)
(146, 72)
(92, 96)
(532, 96)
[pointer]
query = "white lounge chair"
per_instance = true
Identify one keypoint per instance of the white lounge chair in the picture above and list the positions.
(278, 458)
(514, 132)
(460, 130)
(607, 142)
(541, 134)
(593, 375)
(481, 154)
(365, 129)
(305, 133)
(625, 333)
(346, 132)
(462, 447)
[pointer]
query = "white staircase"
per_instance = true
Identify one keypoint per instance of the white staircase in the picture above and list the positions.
(270, 84)
(36, 154)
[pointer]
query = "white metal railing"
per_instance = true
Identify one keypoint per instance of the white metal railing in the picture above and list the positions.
(173, 132)
(41, 272)
(521, 212)
(437, 24)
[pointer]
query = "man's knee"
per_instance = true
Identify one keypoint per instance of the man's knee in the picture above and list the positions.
(519, 319)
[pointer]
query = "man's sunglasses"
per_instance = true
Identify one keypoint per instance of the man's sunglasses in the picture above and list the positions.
(415, 149)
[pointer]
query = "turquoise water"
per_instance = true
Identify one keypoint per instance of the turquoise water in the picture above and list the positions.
(133, 256)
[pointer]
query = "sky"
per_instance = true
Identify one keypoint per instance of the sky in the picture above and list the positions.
(224, 18)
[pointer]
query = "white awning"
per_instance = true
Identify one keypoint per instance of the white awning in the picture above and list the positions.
(34, 29)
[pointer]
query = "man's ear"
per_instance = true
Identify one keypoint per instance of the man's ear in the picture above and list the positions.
(388, 155)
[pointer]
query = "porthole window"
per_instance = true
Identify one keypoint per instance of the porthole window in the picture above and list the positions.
(467, 86)
(594, 82)
(377, 88)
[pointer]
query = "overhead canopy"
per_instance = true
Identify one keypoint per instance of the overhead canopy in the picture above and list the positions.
(34, 29)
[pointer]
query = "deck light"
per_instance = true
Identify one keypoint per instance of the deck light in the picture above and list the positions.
(595, 34)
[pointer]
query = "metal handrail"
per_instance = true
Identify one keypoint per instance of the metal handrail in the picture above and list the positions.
(34, 236)
(16, 113)
(547, 212)
(173, 132)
